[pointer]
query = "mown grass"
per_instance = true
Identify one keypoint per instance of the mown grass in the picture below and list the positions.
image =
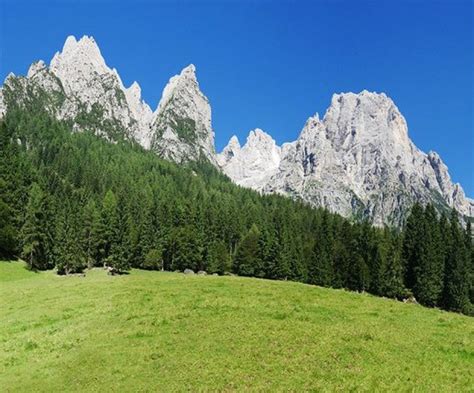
(154, 331)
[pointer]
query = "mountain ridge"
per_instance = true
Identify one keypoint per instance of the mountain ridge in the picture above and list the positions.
(358, 160)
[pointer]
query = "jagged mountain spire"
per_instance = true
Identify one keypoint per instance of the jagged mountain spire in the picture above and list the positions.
(357, 160)
(80, 85)
(181, 124)
(254, 163)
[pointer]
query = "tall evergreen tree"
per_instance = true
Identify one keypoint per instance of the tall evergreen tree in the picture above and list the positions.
(392, 278)
(247, 254)
(429, 271)
(412, 250)
(68, 252)
(457, 277)
(34, 238)
(219, 260)
(185, 250)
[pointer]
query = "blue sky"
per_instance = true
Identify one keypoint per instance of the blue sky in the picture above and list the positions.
(272, 64)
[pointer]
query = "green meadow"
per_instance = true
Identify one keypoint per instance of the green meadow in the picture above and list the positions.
(157, 331)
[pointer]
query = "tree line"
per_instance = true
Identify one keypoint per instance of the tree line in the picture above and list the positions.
(73, 201)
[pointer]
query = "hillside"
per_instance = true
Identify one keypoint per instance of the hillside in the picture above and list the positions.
(154, 331)
(358, 160)
(72, 200)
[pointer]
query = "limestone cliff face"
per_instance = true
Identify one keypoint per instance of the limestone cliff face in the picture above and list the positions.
(357, 161)
(181, 125)
(79, 86)
(254, 163)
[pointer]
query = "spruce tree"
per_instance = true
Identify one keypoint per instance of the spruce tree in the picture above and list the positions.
(33, 237)
(185, 248)
(247, 253)
(412, 249)
(68, 253)
(470, 256)
(118, 257)
(457, 275)
(392, 285)
(8, 231)
(219, 260)
(90, 233)
(429, 272)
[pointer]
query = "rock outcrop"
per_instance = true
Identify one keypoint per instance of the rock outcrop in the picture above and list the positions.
(255, 163)
(181, 125)
(357, 161)
(79, 86)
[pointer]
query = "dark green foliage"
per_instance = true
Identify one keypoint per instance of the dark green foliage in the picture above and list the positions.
(392, 284)
(68, 253)
(7, 229)
(219, 260)
(457, 276)
(153, 260)
(72, 200)
(185, 250)
(430, 269)
(34, 239)
(247, 259)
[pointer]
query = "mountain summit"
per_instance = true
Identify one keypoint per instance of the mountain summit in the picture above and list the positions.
(357, 161)
(79, 86)
(181, 124)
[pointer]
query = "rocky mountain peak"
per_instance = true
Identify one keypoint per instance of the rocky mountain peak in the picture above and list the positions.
(78, 60)
(184, 82)
(234, 143)
(254, 163)
(358, 160)
(135, 90)
(258, 137)
(232, 149)
(181, 124)
(35, 68)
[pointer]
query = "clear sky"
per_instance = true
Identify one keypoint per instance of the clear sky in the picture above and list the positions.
(272, 64)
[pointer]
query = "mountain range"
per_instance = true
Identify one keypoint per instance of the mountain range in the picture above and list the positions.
(357, 160)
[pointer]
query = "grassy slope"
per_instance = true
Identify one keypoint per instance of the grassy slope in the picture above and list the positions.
(153, 331)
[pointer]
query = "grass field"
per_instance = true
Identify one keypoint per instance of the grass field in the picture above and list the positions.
(154, 331)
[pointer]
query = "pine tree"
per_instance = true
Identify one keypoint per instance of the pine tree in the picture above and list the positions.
(7, 229)
(90, 234)
(359, 275)
(247, 253)
(322, 269)
(457, 278)
(185, 249)
(68, 253)
(219, 260)
(118, 257)
(153, 259)
(285, 257)
(106, 228)
(470, 252)
(429, 272)
(392, 277)
(34, 238)
(412, 250)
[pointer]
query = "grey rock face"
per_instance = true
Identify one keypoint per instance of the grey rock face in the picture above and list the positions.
(254, 164)
(79, 86)
(357, 161)
(181, 125)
